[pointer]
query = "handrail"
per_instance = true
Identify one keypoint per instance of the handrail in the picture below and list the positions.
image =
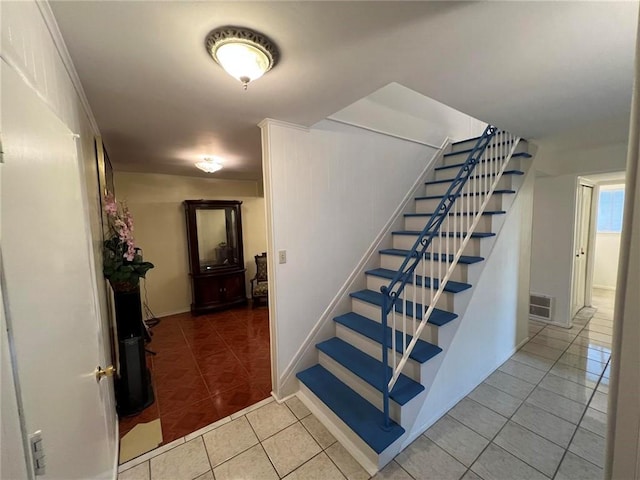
(490, 155)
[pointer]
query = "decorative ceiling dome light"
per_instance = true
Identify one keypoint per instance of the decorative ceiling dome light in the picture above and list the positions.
(243, 53)
(209, 165)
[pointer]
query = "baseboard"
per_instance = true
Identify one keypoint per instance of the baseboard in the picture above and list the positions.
(339, 435)
(279, 399)
(551, 322)
(604, 287)
(288, 375)
(173, 312)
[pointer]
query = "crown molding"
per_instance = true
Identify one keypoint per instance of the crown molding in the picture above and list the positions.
(267, 122)
(61, 47)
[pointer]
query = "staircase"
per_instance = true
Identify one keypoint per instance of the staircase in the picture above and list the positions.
(372, 378)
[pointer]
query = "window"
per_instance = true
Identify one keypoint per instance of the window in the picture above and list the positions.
(610, 205)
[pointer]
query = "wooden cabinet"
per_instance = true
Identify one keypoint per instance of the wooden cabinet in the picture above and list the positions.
(216, 264)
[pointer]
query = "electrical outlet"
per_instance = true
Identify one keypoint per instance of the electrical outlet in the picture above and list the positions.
(282, 256)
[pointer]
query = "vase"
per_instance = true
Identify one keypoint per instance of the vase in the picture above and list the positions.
(134, 391)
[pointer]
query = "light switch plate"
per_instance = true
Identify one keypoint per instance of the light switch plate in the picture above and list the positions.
(37, 452)
(282, 256)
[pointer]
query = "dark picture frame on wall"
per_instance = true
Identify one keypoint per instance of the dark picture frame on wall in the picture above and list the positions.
(106, 185)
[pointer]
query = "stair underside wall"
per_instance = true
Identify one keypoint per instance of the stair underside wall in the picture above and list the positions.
(495, 321)
(309, 298)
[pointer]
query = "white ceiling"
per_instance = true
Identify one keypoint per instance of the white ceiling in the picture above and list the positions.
(161, 102)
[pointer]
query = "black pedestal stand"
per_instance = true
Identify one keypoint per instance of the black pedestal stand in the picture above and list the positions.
(134, 391)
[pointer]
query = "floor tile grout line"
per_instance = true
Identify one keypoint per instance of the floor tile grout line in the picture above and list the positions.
(522, 403)
(542, 387)
(548, 372)
(585, 408)
(210, 396)
(266, 438)
(578, 426)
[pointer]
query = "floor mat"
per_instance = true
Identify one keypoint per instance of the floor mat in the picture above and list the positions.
(141, 439)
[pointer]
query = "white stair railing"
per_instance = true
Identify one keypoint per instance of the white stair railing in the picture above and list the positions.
(439, 247)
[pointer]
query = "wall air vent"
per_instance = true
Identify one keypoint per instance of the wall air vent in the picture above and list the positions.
(541, 307)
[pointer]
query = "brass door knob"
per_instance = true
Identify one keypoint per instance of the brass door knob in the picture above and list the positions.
(110, 371)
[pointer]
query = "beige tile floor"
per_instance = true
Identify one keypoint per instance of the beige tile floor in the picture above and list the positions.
(541, 415)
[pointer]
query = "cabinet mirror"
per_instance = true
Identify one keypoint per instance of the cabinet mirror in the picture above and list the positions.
(216, 264)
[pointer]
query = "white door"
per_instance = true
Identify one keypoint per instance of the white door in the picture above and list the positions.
(50, 294)
(583, 225)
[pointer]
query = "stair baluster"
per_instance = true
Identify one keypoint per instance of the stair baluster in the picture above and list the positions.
(443, 240)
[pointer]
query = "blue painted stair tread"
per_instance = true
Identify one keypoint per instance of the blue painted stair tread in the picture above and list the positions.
(466, 259)
(486, 212)
(451, 286)
(438, 317)
(499, 192)
(369, 369)
(422, 352)
(469, 150)
(476, 139)
(473, 235)
(449, 180)
(362, 417)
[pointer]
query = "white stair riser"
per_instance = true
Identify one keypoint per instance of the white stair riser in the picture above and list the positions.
(462, 157)
(423, 373)
(441, 188)
(480, 169)
(418, 223)
(445, 302)
(430, 205)
(372, 348)
(339, 429)
(460, 273)
(429, 334)
(473, 247)
(362, 388)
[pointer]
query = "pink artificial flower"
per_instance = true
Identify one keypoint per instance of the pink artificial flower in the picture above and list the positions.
(110, 205)
(130, 253)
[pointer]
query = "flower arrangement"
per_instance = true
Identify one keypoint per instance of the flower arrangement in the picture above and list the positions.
(123, 265)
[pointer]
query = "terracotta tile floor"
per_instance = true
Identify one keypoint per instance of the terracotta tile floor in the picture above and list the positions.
(206, 368)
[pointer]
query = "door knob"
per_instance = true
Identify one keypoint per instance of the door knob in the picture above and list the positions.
(110, 371)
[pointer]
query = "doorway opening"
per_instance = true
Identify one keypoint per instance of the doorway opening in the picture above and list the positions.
(599, 210)
(205, 368)
(208, 366)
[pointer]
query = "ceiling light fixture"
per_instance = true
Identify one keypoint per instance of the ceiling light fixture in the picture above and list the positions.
(244, 54)
(209, 165)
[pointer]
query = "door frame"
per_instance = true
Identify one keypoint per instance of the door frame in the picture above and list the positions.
(589, 261)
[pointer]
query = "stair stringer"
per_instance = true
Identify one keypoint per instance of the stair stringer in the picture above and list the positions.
(487, 325)
(324, 328)
(433, 374)
(422, 411)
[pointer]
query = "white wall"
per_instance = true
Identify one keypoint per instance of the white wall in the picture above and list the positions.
(160, 229)
(397, 110)
(496, 319)
(33, 48)
(559, 165)
(329, 192)
(605, 268)
(552, 245)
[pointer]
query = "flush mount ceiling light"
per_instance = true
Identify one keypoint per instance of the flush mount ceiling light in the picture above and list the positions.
(244, 54)
(209, 165)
